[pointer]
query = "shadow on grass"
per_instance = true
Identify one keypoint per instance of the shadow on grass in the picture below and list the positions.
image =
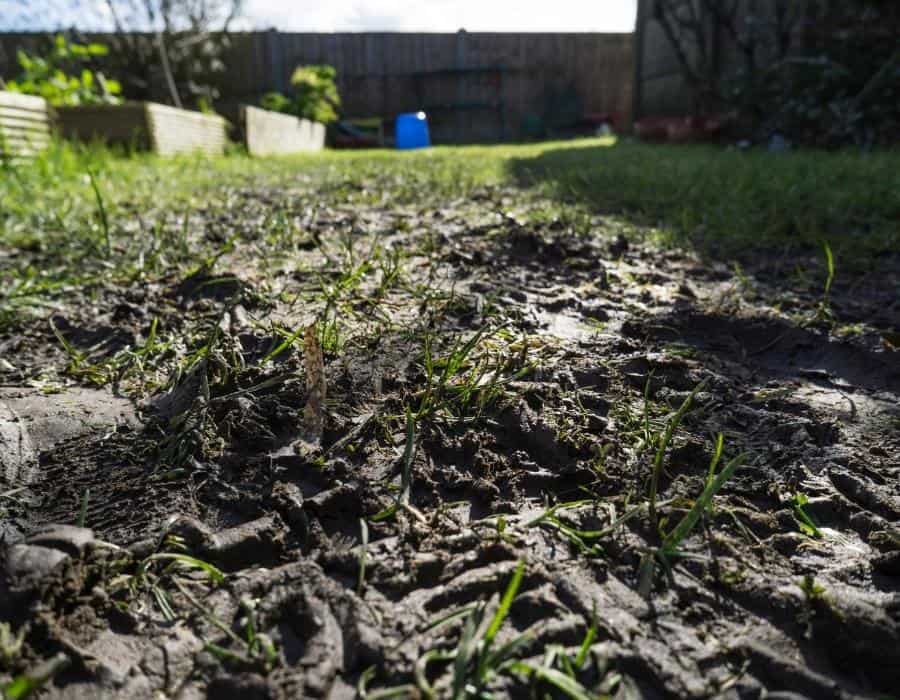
(730, 203)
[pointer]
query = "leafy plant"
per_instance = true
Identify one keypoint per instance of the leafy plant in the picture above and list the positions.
(276, 102)
(63, 76)
(315, 95)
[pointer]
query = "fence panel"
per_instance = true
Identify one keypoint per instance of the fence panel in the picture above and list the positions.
(537, 81)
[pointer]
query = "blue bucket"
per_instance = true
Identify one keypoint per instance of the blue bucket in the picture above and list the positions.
(411, 131)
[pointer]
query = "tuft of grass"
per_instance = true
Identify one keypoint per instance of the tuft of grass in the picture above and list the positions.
(409, 456)
(475, 660)
(662, 444)
(472, 376)
(804, 521)
(151, 578)
(586, 542)
(479, 659)
(669, 550)
(28, 683)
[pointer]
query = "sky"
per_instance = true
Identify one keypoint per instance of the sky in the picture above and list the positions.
(363, 15)
(445, 15)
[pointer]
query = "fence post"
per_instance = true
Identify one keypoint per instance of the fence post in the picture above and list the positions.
(275, 50)
(637, 88)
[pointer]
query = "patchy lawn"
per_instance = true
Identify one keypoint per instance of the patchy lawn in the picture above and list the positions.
(580, 419)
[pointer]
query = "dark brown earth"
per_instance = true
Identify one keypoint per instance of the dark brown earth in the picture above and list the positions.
(590, 343)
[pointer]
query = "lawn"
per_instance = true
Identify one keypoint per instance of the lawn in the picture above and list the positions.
(577, 419)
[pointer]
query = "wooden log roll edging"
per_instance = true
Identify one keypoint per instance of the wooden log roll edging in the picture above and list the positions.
(269, 133)
(24, 125)
(145, 126)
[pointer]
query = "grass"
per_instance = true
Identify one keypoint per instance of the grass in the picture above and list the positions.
(585, 542)
(704, 195)
(806, 524)
(480, 657)
(409, 456)
(671, 544)
(727, 201)
(662, 441)
(27, 684)
(79, 217)
(154, 574)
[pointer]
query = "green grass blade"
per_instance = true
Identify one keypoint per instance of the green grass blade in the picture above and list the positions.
(671, 427)
(717, 456)
(506, 602)
(806, 523)
(687, 523)
(101, 210)
(559, 680)
(283, 345)
(409, 456)
(829, 262)
(589, 638)
(464, 652)
(214, 574)
(24, 685)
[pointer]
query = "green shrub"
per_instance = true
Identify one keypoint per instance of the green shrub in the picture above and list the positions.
(276, 102)
(315, 95)
(62, 76)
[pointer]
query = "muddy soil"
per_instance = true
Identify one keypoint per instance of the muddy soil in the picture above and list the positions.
(339, 560)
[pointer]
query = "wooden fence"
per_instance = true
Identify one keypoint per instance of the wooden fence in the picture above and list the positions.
(475, 86)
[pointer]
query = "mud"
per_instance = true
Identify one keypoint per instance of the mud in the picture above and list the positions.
(590, 342)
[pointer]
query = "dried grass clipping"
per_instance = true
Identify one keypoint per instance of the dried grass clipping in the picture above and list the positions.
(314, 411)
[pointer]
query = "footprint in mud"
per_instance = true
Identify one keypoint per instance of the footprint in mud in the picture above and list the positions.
(32, 422)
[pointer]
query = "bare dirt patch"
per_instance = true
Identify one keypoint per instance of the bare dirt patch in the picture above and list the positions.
(497, 388)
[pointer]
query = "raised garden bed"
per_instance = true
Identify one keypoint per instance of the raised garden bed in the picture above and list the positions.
(24, 125)
(270, 133)
(145, 126)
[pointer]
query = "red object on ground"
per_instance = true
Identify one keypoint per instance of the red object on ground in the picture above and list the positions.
(707, 127)
(598, 119)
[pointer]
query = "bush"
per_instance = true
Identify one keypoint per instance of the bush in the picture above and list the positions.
(822, 73)
(276, 102)
(62, 76)
(838, 89)
(315, 95)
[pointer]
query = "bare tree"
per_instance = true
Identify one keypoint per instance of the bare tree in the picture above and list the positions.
(159, 48)
(822, 71)
(700, 31)
(180, 40)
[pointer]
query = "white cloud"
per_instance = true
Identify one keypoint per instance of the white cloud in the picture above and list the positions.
(443, 15)
(362, 15)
